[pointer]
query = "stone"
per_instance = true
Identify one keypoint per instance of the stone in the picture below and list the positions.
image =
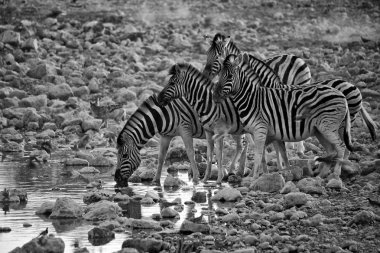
(272, 182)
(102, 210)
(153, 195)
(142, 224)
(295, 199)
(98, 195)
(289, 187)
(230, 218)
(311, 185)
(76, 162)
(46, 208)
(41, 70)
(364, 218)
(89, 170)
(168, 212)
(335, 184)
(14, 195)
(10, 37)
(91, 124)
(188, 227)
(42, 245)
(227, 194)
(174, 182)
(199, 197)
(66, 208)
(147, 201)
(30, 44)
(100, 236)
(60, 91)
(36, 102)
(143, 245)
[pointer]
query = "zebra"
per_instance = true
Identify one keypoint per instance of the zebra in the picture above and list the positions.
(287, 114)
(292, 70)
(175, 119)
(353, 95)
(218, 119)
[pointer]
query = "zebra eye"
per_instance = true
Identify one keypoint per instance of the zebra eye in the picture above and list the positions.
(125, 156)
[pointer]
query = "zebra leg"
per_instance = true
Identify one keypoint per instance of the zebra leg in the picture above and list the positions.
(188, 141)
(164, 145)
(242, 161)
(300, 148)
(219, 159)
(326, 142)
(280, 148)
(259, 139)
(210, 152)
(238, 153)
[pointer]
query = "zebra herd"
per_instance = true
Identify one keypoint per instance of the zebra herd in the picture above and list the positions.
(273, 101)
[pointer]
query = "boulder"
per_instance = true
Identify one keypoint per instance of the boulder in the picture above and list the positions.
(99, 236)
(45, 244)
(153, 195)
(98, 195)
(40, 70)
(61, 91)
(335, 184)
(10, 37)
(230, 218)
(227, 194)
(199, 197)
(188, 227)
(150, 245)
(272, 182)
(34, 101)
(91, 124)
(66, 208)
(295, 199)
(289, 187)
(174, 182)
(311, 185)
(102, 210)
(142, 224)
(46, 208)
(168, 212)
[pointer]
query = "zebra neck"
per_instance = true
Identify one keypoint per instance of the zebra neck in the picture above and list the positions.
(231, 48)
(199, 97)
(268, 77)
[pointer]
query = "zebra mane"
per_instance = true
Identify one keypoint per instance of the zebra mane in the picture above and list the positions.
(218, 37)
(248, 57)
(187, 67)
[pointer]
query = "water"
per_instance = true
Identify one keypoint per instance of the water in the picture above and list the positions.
(39, 181)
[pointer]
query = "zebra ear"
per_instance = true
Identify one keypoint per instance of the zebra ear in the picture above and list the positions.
(226, 41)
(239, 60)
(208, 38)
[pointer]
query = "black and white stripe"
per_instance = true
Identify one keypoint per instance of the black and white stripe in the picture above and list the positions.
(287, 114)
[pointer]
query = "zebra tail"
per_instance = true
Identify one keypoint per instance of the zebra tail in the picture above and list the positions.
(369, 122)
(347, 132)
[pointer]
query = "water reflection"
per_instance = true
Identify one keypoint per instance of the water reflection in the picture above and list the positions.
(40, 181)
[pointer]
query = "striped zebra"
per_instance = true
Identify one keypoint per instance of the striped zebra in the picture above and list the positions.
(287, 114)
(291, 69)
(353, 96)
(175, 119)
(217, 119)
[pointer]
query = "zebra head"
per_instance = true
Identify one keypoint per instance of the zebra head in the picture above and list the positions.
(228, 77)
(216, 50)
(174, 88)
(128, 159)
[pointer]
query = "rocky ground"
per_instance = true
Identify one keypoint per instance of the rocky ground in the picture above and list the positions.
(58, 56)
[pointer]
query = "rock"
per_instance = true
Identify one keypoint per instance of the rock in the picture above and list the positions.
(144, 245)
(289, 187)
(295, 199)
(272, 182)
(41, 70)
(10, 37)
(89, 170)
(230, 218)
(26, 224)
(142, 224)
(363, 218)
(168, 212)
(119, 197)
(147, 201)
(368, 167)
(153, 195)
(311, 185)
(188, 227)
(61, 91)
(5, 229)
(91, 124)
(76, 162)
(335, 184)
(174, 182)
(199, 197)
(227, 194)
(46, 208)
(43, 245)
(100, 236)
(98, 195)
(314, 221)
(65, 208)
(34, 101)
(30, 44)
(102, 210)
